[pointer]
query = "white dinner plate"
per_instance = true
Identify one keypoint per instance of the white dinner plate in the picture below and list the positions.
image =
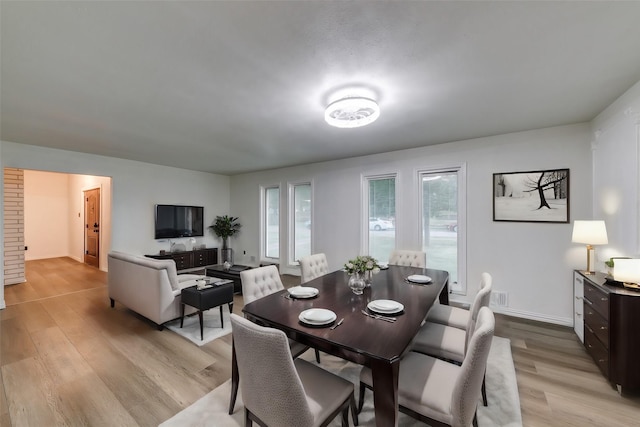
(303, 292)
(419, 278)
(317, 316)
(385, 306)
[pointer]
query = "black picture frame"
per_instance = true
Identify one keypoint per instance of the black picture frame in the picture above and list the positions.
(531, 196)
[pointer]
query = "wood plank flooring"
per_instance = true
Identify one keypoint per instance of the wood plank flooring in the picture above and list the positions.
(67, 358)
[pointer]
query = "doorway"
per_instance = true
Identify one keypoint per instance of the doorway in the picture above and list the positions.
(92, 227)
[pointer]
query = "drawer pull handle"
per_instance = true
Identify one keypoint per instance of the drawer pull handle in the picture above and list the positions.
(589, 345)
(603, 328)
(578, 314)
(587, 301)
(603, 299)
(601, 360)
(578, 298)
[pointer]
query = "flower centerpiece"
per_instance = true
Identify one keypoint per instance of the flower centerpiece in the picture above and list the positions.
(361, 268)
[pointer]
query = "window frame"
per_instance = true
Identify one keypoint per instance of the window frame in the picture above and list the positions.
(364, 207)
(291, 238)
(461, 171)
(264, 222)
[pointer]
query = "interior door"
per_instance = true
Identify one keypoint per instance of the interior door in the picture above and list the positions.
(92, 227)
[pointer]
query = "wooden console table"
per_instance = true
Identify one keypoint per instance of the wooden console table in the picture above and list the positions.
(608, 317)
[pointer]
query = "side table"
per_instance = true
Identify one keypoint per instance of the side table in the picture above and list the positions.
(208, 298)
(233, 273)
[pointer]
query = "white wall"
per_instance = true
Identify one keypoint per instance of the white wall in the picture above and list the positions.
(46, 214)
(616, 163)
(533, 262)
(136, 188)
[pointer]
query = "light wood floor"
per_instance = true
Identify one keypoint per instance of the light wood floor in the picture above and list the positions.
(67, 358)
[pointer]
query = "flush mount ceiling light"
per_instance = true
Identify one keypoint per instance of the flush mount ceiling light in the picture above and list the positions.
(352, 112)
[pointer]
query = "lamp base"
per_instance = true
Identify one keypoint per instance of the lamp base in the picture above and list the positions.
(591, 260)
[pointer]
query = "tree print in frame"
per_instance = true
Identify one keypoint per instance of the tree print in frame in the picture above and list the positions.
(536, 196)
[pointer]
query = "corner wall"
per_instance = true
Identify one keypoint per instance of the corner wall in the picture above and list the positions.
(616, 165)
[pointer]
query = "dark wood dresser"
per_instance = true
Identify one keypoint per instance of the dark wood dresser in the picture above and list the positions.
(191, 259)
(612, 329)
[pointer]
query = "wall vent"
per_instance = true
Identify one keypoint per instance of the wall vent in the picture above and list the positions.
(499, 299)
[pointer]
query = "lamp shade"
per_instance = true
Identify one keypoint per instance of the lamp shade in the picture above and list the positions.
(627, 270)
(589, 232)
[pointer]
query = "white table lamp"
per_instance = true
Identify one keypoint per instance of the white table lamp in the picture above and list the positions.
(627, 271)
(590, 233)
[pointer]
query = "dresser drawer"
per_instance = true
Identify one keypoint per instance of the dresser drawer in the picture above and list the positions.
(596, 299)
(596, 324)
(596, 350)
(183, 261)
(200, 259)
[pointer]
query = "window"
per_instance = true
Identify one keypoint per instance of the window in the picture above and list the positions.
(441, 223)
(271, 227)
(300, 208)
(381, 216)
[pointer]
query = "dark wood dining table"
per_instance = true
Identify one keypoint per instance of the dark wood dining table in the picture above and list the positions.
(375, 343)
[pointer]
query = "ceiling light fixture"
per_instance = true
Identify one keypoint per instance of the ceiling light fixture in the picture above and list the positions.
(352, 112)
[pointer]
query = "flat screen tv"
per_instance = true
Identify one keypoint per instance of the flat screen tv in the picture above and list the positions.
(179, 221)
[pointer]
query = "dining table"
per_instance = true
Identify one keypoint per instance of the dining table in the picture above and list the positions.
(363, 339)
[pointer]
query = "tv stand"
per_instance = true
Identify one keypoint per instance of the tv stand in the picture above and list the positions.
(198, 258)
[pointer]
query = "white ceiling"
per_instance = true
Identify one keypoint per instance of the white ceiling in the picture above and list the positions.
(238, 86)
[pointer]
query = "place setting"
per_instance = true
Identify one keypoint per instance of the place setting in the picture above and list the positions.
(384, 309)
(301, 292)
(418, 279)
(319, 318)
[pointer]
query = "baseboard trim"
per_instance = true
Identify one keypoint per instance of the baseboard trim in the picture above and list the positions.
(556, 320)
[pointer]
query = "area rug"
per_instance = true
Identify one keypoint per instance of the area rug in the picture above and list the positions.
(211, 322)
(502, 393)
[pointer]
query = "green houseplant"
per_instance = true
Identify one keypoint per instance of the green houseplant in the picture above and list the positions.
(224, 227)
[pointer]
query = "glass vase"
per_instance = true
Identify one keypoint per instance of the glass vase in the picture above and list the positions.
(368, 277)
(357, 283)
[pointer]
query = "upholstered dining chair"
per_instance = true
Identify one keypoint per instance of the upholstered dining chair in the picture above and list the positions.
(280, 391)
(407, 258)
(257, 283)
(313, 266)
(459, 317)
(263, 281)
(441, 393)
(450, 343)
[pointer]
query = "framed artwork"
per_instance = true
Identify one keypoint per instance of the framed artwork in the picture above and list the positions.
(535, 196)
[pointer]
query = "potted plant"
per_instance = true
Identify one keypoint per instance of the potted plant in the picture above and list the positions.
(224, 227)
(609, 265)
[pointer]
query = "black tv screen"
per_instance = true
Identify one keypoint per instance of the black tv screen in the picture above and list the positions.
(179, 221)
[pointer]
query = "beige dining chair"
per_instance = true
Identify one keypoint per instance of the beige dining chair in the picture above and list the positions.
(450, 343)
(459, 317)
(438, 392)
(407, 258)
(280, 391)
(257, 283)
(313, 266)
